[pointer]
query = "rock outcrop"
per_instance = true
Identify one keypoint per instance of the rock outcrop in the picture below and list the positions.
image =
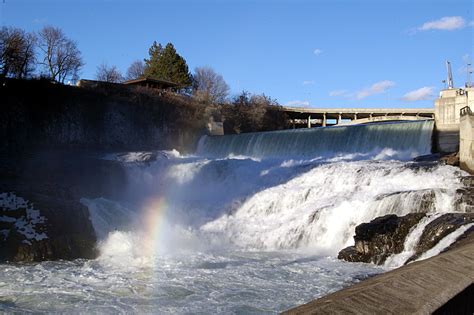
(41, 227)
(382, 237)
(438, 229)
(385, 236)
(41, 217)
(450, 159)
(465, 202)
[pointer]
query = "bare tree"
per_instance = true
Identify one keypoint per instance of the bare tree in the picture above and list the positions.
(136, 70)
(17, 52)
(108, 74)
(62, 59)
(209, 86)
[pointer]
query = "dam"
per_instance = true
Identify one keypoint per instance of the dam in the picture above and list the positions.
(247, 224)
(412, 137)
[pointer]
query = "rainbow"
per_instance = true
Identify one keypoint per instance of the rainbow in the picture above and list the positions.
(155, 228)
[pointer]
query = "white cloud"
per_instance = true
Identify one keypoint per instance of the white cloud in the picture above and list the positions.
(338, 93)
(376, 88)
(424, 93)
(447, 23)
(298, 103)
(308, 82)
(39, 21)
(317, 51)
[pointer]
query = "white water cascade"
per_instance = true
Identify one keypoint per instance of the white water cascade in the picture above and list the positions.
(251, 224)
(408, 139)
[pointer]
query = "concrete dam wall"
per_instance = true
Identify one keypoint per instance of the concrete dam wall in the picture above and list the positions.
(413, 137)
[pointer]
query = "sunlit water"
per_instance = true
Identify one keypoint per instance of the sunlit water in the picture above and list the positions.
(195, 234)
(223, 282)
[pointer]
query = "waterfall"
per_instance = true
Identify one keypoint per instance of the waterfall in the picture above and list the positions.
(412, 138)
(278, 203)
(192, 234)
(248, 190)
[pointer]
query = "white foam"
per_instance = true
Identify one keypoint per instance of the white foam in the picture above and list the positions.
(411, 242)
(445, 242)
(320, 208)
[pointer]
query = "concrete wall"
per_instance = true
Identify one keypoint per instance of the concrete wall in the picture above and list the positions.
(466, 147)
(449, 104)
(447, 114)
(215, 128)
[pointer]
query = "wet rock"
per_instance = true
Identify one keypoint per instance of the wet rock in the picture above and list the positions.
(451, 159)
(434, 157)
(422, 200)
(382, 237)
(465, 200)
(351, 254)
(41, 217)
(41, 227)
(439, 228)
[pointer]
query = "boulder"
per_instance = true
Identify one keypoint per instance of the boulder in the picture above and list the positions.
(41, 217)
(439, 228)
(451, 159)
(41, 227)
(385, 236)
(382, 237)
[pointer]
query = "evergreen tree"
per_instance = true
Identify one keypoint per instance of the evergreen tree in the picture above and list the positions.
(167, 64)
(151, 64)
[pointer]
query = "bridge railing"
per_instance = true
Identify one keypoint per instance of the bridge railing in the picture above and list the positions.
(466, 111)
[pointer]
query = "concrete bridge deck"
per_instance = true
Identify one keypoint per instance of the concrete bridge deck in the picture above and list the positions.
(444, 281)
(321, 115)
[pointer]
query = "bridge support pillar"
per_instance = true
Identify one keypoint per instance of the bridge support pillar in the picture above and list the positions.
(339, 118)
(309, 121)
(324, 120)
(355, 116)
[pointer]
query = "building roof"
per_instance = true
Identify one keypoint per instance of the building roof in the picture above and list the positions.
(145, 80)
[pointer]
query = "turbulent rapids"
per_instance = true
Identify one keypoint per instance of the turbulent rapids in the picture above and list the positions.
(250, 224)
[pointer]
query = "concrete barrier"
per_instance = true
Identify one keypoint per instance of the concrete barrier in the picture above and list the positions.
(466, 144)
(418, 288)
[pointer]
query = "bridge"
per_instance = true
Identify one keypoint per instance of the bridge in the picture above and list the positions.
(320, 116)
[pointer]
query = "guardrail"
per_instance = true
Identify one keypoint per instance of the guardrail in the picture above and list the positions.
(466, 111)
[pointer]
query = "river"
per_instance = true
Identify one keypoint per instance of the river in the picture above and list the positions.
(242, 226)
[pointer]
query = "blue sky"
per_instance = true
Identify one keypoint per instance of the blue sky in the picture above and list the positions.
(303, 53)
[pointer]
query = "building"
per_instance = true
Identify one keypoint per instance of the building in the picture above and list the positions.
(448, 114)
(152, 83)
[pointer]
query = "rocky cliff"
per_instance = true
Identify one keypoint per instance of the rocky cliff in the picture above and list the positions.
(41, 217)
(39, 115)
